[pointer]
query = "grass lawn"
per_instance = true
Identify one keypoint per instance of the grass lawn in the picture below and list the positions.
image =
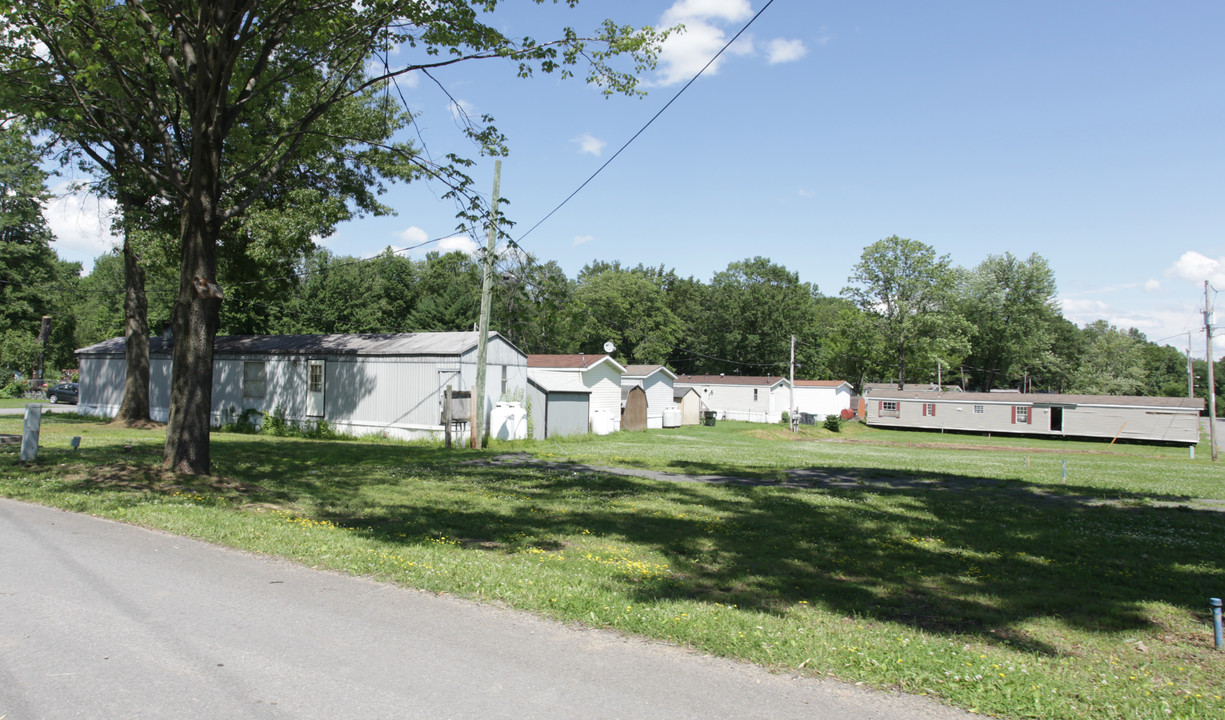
(18, 403)
(958, 566)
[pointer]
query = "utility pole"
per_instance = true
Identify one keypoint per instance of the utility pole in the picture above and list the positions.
(482, 342)
(1190, 371)
(794, 418)
(1211, 381)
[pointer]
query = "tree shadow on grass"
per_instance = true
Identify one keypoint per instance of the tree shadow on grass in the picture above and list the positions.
(948, 554)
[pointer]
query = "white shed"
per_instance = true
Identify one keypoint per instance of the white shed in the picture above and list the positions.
(599, 373)
(360, 384)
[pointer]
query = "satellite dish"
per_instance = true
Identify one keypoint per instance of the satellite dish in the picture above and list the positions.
(609, 347)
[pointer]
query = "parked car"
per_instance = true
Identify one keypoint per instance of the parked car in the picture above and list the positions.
(64, 392)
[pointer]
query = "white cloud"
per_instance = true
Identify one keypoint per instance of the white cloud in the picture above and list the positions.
(1197, 268)
(582, 240)
(81, 224)
(684, 54)
(1083, 311)
(462, 243)
(705, 32)
(684, 11)
(1152, 285)
(782, 51)
(589, 144)
(413, 235)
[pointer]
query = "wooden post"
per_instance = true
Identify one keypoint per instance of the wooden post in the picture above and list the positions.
(446, 416)
(29, 432)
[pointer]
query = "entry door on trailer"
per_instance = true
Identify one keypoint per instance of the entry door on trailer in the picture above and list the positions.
(315, 388)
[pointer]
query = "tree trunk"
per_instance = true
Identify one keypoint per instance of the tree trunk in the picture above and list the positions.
(196, 314)
(135, 406)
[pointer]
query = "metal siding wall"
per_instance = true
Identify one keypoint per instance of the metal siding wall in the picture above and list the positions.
(568, 414)
(536, 408)
(161, 371)
(1131, 424)
(101, 380)
(227, 384)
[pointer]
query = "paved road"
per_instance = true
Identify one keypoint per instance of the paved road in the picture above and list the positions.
(103, 620)
(47, 408)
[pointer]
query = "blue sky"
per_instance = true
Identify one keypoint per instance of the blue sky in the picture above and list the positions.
(1087, 132)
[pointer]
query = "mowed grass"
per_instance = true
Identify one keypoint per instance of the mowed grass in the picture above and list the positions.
(956, 566)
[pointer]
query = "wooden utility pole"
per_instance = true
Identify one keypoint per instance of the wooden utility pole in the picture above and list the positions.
(1211, 380)
(793, 418)
(482, 342)
(446, 416)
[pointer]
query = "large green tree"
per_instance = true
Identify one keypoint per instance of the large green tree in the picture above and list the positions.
(29, 270)
(752, 310)
(1010, 303)
(908, 291)
(183, 91)
(627, 308)
(1113, 362)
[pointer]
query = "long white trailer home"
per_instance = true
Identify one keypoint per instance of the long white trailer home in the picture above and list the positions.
(1145, 419)
(361, 384)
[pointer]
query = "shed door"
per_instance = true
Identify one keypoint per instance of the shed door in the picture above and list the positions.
(566, 414)
(314, 388)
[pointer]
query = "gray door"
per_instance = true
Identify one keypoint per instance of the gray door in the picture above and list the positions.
(566, 414)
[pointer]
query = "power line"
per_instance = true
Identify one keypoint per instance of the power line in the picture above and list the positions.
(649, 122)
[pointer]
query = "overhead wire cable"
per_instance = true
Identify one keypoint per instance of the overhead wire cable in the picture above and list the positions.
(648, 123)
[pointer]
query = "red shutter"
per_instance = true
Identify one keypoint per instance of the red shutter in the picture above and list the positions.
(880, 406)
(924, 409)
(1029, 417)
(1014, 414)
(933, 409)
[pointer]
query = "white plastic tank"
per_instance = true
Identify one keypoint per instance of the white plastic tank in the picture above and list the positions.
(655, 419)
(672, 417)
(508, 421)
(603, 422)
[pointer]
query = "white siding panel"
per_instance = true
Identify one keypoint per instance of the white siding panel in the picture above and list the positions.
(605, 384)
(659, 392)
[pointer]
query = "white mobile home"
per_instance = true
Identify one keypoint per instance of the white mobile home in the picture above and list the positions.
(822, 397)
(599, 374)
(740, 397)
(391, 384)
(1146, 419)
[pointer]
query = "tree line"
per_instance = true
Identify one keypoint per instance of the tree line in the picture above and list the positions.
(232, 134)
(906, 316)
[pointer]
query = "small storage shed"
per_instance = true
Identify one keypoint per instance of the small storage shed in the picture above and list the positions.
(740, 397)
(558, 406)
(360, 384)
(1125, 417)
(822, 397)
(634, 408)
(658, 383)
(599, 374)
(690, 403)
